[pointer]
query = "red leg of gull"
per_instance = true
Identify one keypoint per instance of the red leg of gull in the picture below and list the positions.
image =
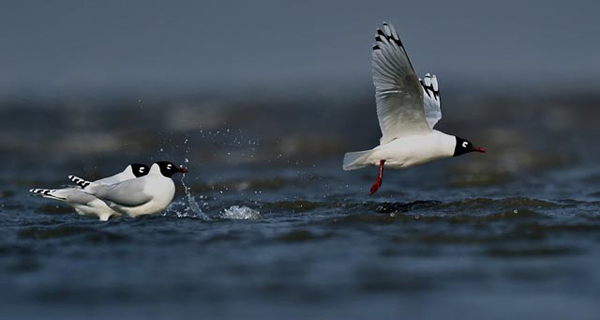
(377, 182)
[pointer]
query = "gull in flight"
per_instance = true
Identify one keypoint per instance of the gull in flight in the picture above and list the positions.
(407, 108)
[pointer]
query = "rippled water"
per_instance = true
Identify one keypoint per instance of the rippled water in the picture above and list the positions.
(267, 224)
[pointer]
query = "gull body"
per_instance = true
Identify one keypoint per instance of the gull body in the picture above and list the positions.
(86, 204)
(147, 195)
(407, 109)
(409, 151)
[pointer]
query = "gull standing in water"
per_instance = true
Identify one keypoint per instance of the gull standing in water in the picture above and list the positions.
(149, 194)
(86, 204)
(408, 108)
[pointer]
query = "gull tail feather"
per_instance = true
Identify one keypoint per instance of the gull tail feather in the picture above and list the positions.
(356, 160)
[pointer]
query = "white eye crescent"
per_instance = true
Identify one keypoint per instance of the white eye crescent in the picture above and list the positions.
(465, 144)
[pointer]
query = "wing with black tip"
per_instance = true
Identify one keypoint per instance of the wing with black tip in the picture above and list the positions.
(399, 95)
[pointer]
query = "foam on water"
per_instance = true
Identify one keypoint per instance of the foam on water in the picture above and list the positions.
(240, 213)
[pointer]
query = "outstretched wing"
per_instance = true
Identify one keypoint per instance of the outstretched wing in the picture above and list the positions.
(129, 193)
(398, 92)
(431, 99)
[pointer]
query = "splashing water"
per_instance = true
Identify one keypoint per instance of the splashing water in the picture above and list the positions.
(191, 202)
(240, 213)
(187, 207)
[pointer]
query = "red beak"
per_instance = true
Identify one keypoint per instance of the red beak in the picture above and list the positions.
(479, 149)
(183, 170)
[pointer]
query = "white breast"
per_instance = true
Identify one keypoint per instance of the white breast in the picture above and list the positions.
(162, 193)
(161, 190)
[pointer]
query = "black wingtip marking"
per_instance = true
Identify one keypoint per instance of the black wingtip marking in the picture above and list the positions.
(40, 191)
(46, 192)
(429, 90)
(80, 182)
(376, 47)
(389, 38)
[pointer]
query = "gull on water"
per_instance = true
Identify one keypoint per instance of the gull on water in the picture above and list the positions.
(86, 204)
(146, 195)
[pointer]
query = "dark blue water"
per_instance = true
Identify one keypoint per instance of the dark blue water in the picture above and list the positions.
(280, 231)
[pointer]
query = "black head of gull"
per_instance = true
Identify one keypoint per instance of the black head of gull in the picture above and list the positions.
(465, 146)
(139, 169)
(168, 169)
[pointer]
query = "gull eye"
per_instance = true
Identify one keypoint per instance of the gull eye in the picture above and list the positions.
(465, 144)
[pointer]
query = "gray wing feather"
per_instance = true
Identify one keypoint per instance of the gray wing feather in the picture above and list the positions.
(399, 95)
(129, 193)
(76, 196)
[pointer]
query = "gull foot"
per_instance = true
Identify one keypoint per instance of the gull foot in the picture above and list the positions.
(376, 185)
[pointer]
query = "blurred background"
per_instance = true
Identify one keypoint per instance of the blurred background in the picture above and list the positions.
(82, 47)
(261, 99)
(120, 77)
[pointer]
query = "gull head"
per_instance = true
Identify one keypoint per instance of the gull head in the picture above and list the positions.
(139, 169)
(465, 146)
(168, 169)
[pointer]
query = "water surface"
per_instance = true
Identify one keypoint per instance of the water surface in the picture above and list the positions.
(270, 226)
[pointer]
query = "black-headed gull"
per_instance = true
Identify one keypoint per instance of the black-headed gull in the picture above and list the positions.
(149, 194)
(407, 107)
(86, 204)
